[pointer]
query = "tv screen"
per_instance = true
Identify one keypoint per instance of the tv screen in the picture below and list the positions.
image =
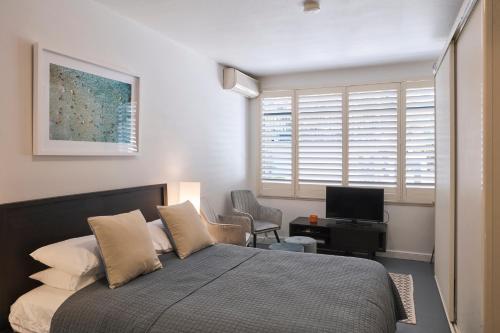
(359, 204)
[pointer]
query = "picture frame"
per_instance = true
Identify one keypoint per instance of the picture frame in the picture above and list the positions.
(81, 108)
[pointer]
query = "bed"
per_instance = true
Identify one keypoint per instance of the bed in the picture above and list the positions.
(223, 288)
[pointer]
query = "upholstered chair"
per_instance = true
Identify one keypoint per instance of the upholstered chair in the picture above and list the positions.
(264, 219)
(231, 229)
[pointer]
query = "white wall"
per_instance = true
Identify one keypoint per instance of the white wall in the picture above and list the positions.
(192, 129)
(411, 228)
(350, 76)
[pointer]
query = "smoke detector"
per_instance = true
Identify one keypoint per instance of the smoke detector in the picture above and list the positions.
(311, 6)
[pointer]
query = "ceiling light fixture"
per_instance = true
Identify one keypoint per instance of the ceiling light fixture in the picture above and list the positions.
(311, 6)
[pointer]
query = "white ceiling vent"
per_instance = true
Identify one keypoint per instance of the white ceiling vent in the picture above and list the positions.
(241, 83)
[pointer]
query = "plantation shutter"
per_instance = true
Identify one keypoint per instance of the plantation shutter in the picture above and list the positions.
(276, 146)
(373, 137)
(369, 136)
(319, 141)
(420, 141)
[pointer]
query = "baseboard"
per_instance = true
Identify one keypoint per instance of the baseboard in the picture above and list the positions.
(453, 327)
(408, 255)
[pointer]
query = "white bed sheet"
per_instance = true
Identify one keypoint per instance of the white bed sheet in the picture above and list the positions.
(33, 311)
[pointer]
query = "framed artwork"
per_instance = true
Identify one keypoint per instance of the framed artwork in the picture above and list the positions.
(82, 108)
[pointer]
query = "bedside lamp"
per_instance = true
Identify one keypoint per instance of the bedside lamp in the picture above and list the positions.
(190, 191)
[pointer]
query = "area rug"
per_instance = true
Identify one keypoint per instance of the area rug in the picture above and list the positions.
(404, 284)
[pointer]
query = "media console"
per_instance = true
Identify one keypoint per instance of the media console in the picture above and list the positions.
(340, 237)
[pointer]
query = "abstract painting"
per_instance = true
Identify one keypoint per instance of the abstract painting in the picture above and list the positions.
(87, 107)
(83, 108)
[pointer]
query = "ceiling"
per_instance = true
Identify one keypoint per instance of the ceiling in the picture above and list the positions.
(265, 37)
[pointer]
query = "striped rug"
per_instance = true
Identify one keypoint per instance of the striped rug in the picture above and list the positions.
(404, 284)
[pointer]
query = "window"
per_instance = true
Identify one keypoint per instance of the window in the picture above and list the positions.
(420, 141)
(276, 144)
(319, 140)
(371, 136)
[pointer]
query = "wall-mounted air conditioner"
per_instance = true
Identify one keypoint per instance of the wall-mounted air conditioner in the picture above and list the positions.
(241, 83)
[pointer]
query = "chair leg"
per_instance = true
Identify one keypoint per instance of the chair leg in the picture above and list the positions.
(254, 240)
(277, 237)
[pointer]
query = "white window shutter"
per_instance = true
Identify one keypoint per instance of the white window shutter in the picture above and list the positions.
(420, 141)
(276, 143)
(319, 161)
(373, 138)
(369, 136)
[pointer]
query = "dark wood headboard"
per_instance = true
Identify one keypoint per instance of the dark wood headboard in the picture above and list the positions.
(26, 226)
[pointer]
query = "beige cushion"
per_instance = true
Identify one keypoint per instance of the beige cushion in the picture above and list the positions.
(187, 232)
(125, 245)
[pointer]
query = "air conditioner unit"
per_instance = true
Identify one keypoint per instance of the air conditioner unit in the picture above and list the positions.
(241, 83)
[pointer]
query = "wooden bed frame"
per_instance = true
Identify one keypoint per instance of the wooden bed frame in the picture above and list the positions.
(26, 226)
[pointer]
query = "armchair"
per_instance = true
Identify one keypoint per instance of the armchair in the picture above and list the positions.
(226, 229)
(263, 219)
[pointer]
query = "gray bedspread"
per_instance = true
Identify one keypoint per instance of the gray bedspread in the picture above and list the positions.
(226, 288)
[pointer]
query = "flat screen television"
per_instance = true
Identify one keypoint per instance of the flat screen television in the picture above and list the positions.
(355, 204)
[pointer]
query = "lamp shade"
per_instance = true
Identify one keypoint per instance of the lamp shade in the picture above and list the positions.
(190, 191)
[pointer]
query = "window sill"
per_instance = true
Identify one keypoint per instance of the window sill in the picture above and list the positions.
(390, 203)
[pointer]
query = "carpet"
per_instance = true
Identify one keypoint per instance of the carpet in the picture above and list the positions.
(404, 284)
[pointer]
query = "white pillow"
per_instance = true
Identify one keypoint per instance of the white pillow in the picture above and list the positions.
(79, 256)
(62, 280)
(33, 311)
(75, 256)
(159, 237)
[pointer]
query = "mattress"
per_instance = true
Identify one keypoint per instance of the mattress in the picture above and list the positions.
(33, 311)
(227, 288)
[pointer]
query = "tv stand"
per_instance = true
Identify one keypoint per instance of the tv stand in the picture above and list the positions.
(343, 236)
(351, 222)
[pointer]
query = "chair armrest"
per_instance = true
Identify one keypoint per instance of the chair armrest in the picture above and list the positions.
(248, 216)
(270, 214)
(227, 233)
(244, 221)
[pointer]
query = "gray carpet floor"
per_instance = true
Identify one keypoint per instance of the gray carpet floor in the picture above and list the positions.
(428, 307)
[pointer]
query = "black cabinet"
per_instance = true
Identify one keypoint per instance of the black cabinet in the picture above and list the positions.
(340, 237)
